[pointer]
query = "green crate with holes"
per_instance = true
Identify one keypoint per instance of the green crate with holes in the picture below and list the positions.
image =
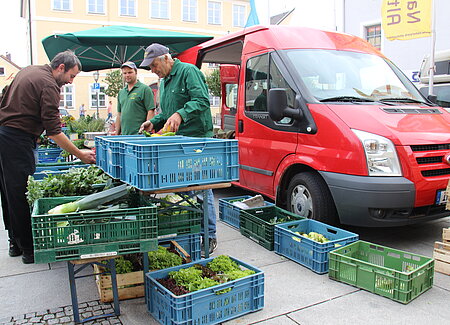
(392, 273)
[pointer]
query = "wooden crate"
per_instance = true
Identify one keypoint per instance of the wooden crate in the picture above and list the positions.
(130, 285)
(446, 235)
(441, 256)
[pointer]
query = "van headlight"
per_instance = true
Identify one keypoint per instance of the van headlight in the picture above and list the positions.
(381, 156)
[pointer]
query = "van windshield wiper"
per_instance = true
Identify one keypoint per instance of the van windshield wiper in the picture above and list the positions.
(346, 99)
(403, 100)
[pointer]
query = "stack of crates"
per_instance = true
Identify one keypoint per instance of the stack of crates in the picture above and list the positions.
(155, 163)
(49, 155)
(80, 235)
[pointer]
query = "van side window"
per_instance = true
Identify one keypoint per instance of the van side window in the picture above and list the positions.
(256, 83)
(231, 95)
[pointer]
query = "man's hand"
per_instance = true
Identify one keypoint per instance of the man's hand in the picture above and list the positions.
(147, 126)
(173, 123)
(87, 156)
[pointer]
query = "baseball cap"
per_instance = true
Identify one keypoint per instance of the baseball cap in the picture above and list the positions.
(153, 51)
(129, 64)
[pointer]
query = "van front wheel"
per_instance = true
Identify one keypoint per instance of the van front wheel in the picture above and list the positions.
(309, 196)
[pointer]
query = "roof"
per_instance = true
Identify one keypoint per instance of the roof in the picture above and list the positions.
(278, 19)
(10, 62)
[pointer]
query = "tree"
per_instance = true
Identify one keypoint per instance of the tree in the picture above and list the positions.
(213, 82)
(115, 83)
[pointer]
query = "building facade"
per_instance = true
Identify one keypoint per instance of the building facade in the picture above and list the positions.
(363, 19)
(49, 17)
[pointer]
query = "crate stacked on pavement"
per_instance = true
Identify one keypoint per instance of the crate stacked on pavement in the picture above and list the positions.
(308, 242)
(131, 284)
(441, 253)
(391, 273)
(230, 208)
(259, 224)
(211, 305)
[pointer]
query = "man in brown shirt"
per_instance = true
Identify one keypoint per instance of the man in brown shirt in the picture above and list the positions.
(30, 106)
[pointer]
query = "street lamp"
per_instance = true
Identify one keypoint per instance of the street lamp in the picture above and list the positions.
(96, 88)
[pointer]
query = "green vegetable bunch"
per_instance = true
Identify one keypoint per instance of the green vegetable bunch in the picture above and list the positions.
(123, 266)
(77, 181)
(223, 264)
(162, 259)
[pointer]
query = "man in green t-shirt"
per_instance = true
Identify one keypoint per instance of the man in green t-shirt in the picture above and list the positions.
(135, 102)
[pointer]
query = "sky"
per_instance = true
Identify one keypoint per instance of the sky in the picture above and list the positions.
(13, 37)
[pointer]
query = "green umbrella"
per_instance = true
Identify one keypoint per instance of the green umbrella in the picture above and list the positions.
(110, 46)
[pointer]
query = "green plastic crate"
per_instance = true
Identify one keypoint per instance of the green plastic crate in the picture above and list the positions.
(391, 273)
(259, 224)
(81, 235)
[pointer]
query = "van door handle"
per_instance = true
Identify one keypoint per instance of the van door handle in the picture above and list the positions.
(240, 126)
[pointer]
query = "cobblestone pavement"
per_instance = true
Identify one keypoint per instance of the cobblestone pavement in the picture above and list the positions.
(64, 315)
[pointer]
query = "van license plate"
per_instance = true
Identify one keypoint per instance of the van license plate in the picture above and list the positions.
(441, 197)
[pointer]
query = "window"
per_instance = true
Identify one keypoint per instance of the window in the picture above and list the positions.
(96, 6)
(2, 71)
(66, 97)
(101, 97)
(231, 95)
(373, 35)
(256, 83)
(189, 10)
(238, 16)
(159, 9)
(214, 13)
(65, 5)
(128, 8)
(214, 100)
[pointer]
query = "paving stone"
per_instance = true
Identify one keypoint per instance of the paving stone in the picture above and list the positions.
(65, 319)
(98, 312)
(68, 312)
(30, 315)
(42, 313)
(86, 314)
(109, 311)
(60, 314)
(35, 319)
(48, 316)
(68, 308)
(82, 305)
(105, 322)
(98, 307)
(53, 321)
(55, 310)
(92, 303)
(21, 321)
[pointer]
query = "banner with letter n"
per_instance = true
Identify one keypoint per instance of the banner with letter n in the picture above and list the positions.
(406, 19)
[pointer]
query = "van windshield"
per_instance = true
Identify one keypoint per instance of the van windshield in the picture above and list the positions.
(332, 75)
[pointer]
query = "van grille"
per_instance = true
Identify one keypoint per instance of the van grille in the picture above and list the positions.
(430, 157)
(431, 147)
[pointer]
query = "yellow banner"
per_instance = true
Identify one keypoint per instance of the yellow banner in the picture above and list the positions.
(406, 19)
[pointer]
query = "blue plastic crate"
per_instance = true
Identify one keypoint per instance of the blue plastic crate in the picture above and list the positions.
(106, 151)
(49, 155)
(180, 162)
(229, 213)
(44, 170)
(206, 306)
(305, 251)
(190, 243)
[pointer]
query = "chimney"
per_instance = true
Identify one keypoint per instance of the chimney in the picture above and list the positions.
(8, 56)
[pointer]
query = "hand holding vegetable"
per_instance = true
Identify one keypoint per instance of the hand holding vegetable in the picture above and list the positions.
(173, 123)
(87, 156)
(146, 126)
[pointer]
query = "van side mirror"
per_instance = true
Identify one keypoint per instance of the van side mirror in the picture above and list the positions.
(432, 98)
(278, 108)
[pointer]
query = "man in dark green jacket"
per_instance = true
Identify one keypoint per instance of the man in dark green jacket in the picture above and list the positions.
(185, 107)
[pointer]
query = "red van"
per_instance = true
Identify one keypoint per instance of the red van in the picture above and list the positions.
(329, 127)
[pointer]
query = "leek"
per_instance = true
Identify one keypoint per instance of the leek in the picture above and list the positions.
(92, 201)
